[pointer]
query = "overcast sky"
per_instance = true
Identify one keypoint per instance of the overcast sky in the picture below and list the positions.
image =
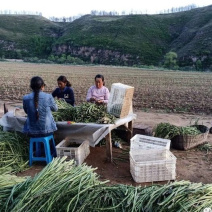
(67, 8)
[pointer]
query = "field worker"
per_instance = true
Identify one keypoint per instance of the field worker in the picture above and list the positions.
(64, 90)
(38, 106)
(98, 93)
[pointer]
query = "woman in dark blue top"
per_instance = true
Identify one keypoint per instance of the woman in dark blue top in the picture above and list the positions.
(64, 90)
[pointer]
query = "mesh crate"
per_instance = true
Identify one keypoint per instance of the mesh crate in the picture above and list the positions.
(154, 165)
(120, 100)
(77, 153)
(148, 142)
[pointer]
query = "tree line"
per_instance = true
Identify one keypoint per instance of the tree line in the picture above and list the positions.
(115, 13)
(22, 12)
(99, 13)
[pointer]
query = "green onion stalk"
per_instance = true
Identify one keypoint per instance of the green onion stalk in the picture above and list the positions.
(84, 113)
(14, 152)
(62, 186)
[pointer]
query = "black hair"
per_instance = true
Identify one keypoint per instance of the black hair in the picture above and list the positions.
(36, 83)
(100, 76)
(64, 80)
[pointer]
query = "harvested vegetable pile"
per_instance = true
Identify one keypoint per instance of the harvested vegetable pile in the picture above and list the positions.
(14, 152)
(84, 113)
(61, 187)
(206, 147)
(166, 130)
(7, 179)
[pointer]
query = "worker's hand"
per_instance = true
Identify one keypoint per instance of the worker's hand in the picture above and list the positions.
(92, 99)
(99, 102)
(61, 99)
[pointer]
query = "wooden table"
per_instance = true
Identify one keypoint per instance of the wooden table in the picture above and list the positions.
(109, 141)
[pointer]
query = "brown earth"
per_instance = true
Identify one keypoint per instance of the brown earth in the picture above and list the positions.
(193, 165)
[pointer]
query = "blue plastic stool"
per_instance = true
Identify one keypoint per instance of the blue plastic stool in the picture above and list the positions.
(47, 148)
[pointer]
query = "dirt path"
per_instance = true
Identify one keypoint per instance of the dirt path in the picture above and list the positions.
(193, 165)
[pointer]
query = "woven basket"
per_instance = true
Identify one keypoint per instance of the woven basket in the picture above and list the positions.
(185, 142)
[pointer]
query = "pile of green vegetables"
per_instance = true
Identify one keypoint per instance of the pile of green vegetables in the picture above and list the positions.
(14, 152)
(166, 130)
(61, 187)
(84, 113)
(205, 147)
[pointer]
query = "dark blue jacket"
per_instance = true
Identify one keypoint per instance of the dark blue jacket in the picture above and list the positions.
(67, 94)
(45, 124)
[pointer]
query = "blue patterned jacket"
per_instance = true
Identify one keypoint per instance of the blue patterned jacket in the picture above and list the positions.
(45, 124)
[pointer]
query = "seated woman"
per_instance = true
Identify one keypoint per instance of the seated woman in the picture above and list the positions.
(64, 90)
(98, 93)
(38, 106)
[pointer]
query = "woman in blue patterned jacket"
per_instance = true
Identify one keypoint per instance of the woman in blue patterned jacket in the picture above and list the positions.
(38, 106)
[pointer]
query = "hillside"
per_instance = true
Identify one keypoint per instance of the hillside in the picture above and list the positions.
(118, 40)
(140, 39)
(136, 38)
(24, 33)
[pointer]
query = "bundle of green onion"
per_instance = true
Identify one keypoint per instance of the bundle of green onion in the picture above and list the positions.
(14, 152)
(61, 186)
(84, 113)
(166, 130)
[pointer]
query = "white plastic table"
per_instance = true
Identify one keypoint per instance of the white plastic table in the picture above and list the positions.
(85, 131)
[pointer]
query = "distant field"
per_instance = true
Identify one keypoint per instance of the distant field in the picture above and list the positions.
(166, 90)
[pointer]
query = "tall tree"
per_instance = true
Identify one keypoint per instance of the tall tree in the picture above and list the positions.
(170, 60)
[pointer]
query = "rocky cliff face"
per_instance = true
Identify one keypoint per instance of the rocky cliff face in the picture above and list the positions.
(97, 55)
(7, 45)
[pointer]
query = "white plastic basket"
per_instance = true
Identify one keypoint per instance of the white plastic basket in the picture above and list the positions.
(148, 142)
(120, 100)
(152, 165)
(77, 153)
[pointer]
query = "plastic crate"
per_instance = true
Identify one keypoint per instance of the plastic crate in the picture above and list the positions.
(120, 100)
(77, 153)
(152, 165)
(148, 142)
